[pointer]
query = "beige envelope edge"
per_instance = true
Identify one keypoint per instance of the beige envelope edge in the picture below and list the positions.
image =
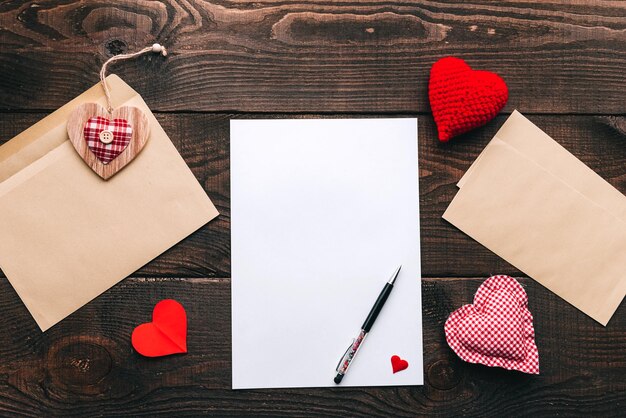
(515, 245)
(50, 132)
(528, 139)
(45, 145)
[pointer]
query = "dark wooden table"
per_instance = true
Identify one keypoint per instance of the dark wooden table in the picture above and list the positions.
(564, 63)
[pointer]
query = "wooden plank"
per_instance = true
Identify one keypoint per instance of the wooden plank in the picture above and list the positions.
(203, 141)
(327, 56)
(86, 366)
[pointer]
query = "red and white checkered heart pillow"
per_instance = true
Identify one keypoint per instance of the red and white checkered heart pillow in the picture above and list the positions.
(497, 330)
(121, 131)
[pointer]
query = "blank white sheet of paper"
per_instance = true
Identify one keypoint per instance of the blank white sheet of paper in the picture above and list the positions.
(322, 213)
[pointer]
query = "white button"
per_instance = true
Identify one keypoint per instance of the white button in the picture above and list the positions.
(106, 137)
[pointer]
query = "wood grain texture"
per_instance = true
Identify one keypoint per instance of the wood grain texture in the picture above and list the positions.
(86, 366)
(618, 124)
(321, 56)
(564, 62)
(203, 141)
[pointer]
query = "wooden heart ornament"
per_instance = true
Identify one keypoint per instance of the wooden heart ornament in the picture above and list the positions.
(497, 329)
(107, 142)
(166, 334)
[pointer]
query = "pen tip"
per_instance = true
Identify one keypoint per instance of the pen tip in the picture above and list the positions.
(395, 274)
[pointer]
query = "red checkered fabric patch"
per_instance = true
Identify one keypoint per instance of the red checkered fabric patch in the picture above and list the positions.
(122, 133)
(497, 330)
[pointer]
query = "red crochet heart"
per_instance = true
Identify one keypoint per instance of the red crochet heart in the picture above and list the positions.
(397, 364)
(462, 99)
(119, 129)
(166, 334)
(497, 330)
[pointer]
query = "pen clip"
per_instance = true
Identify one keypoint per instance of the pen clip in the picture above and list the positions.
(343, 357)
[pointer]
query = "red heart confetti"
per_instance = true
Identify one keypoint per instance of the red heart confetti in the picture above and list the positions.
(119, 129)
(462, 99)
(397, 364)
(497, 330)
(166, 334)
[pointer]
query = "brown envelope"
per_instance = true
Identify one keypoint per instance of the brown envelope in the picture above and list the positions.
(544, 227)
(536, 145)
(67, 235)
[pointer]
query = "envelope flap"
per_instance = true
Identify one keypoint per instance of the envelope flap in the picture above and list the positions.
(545, 228)
(50, 132)
(515, 125)
(526, 138)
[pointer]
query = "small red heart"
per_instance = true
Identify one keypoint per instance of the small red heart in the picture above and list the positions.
(166, 334)
(121, 133)
(497, 330)
(462, 99)
(397, 364)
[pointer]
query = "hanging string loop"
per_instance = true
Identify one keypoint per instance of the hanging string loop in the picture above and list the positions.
(156, 48)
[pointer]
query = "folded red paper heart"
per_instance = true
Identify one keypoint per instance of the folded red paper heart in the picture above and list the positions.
(166, 334)
(497, 329)
(462, 99)
(397, 364)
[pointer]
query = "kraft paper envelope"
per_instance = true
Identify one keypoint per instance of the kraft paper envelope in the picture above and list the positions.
(545, 228)
(536, 145)
(67, 235)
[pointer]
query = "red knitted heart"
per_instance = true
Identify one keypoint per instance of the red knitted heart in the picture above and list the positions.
(397, 364)
(497, 330)
(462, 99)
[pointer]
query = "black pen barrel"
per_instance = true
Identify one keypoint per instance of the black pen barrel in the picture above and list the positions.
(382, 298)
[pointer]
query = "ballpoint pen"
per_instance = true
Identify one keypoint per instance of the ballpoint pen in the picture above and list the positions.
(348, 356)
